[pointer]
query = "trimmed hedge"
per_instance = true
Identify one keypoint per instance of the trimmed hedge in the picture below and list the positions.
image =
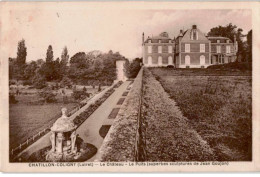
(169, 136)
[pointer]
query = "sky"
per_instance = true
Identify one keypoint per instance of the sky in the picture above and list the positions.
(85, 29)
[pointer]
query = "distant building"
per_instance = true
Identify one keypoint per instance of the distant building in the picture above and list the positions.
(158, 51)
(191, 49)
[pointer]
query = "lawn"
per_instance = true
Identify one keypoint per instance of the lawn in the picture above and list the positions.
(27, 120)
(218, 105)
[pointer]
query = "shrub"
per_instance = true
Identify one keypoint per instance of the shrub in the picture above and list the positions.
(27, 82)
(39, 82)
(84, 89)
(48, 96)
(66, 82)
(79, 94)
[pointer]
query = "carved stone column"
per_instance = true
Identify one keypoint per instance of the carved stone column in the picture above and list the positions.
(53, 141)
(59, 142)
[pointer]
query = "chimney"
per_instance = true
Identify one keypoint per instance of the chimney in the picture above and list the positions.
(194, 26)
(181, 31)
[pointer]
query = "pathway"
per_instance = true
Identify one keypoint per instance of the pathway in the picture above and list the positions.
(89, 130)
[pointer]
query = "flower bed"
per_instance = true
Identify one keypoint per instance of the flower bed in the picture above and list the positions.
(84, 115)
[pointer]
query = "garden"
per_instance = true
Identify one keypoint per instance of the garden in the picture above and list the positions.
(32, 110)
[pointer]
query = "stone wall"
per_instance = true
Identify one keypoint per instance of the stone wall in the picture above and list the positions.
(119, 144)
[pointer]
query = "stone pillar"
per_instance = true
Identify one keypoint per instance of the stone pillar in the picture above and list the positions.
(53, 141)
(59, 142)
(120, 70)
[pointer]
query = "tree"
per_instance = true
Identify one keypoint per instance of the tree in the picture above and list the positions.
(64, 61)
(30, 70)
(230, 31)
(131, 69)
(50, 67)
(79, 65)
(21, 53)
(39, 81)
(49, 55)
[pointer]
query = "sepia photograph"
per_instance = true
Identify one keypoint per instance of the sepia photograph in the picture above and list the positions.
(92, 84)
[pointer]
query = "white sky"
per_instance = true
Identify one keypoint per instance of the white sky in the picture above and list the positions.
(84, 29)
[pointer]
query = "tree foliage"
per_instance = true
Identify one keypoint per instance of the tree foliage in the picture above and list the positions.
(21, 53)
(92, 68)
(131, 69)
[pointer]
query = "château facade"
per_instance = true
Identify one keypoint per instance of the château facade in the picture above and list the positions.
(191, 49)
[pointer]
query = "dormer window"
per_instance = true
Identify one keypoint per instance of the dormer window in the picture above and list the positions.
(218, 41)
(170, 41)
(194, 35)
(149, 41)
(227, 41)
(159, 40)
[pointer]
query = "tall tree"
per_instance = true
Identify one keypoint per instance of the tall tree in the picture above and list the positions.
(64, 57)
(21, 53)
(49, 55)
(64, 61)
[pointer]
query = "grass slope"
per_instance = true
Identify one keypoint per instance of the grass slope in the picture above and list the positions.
(219, 107)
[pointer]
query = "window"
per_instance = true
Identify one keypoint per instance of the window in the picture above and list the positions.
(149, 41)
(159, 49)
(149, 49)
(169, 49)
(202, 60)
(227, 41)
(187, 47)
(194, 35)
(159, 41)
(170, 41)
(170, 62)
(218, 41)
(149, 60)
(202, 47)
(218, 49)
(160, 61)
(228, 49)
(187, 60)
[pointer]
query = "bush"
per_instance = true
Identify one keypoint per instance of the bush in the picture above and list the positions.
(12, 82)
(27, 82)
(79, 95)
(39, 82)
(66, 82)
(48, 96)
